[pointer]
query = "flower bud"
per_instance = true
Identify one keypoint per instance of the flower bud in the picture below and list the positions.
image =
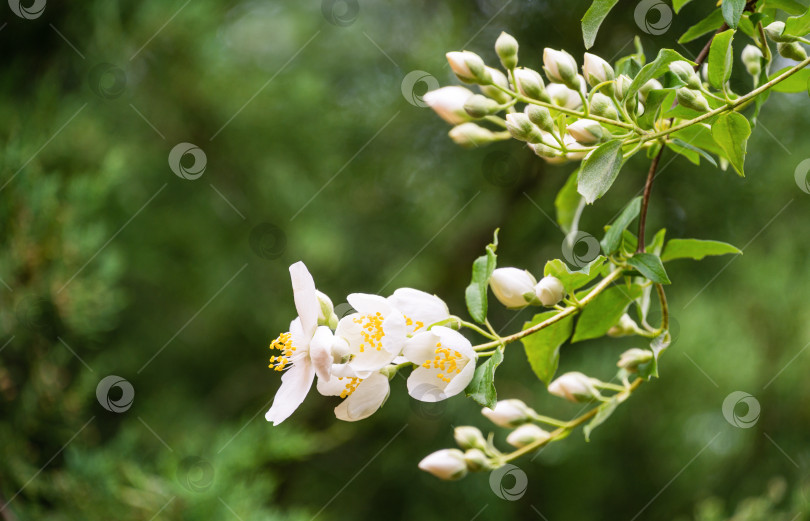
(470, 135)
(527, 434)
(509, 413)
(692, 99)
(574, 387)
(530, 84)
(507, 49)
(686, 73)
(623, 83)
(563, 96)
(791, 51)
(448, 102)
(478, 106)
(601, 105)
(469, 437)
(511, 285)
(518, 124)
(775, 30)
(549, 290)
(540, 116)
(752, 59)
(626, 326)
(560, 67)
(586, 131)
(476, 460)
(596, 70)
(648, 87)
(493, 92)
(468, 66)
(326, 311)
(634, 357)
(545, 152)
(448, 464)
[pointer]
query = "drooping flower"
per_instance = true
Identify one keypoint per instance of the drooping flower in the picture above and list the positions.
(305, 350)
(363, 393)
(375, 334)
(446, 364)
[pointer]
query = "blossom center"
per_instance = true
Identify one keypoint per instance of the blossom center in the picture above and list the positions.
(410, 322)
(371, 330)
(351, 385)
(446, 359)
(284, 344)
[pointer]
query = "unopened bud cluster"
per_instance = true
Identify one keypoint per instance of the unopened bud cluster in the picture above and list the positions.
(516, 288)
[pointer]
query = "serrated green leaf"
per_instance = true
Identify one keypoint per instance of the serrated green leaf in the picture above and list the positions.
(604, 311)
(794, 83)
(654, 69)
(593, 18)
(603, 413)
(797, 25)
(482, 387)
(731, 131)
(543, 347)
(567, 203)
(613, 237)
(476, 293)
(650, 266)
(573, 280)
(678, 5)
(721, 58)
(700, 151)
(599, 170)
(696, 249)
(711, 23)
(732, 11)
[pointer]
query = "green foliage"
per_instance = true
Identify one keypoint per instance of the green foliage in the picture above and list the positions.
(654, 69)
(711, 23)
(798, 25)
(476, 293)
(732, 11)
(599, 170)
(593, 19)
(482, 387)
(613, 236)
(696, 249)
(567, 203)
(731, 132)
(543, 348)
(721, 58)
(604, 312)
(796, 83)
(573, 280)
(650, 266)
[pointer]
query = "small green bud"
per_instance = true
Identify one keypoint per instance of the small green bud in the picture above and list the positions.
(448, 464)
(478, 106)
(470, 135)
(561, 67)
(775, 30)
(530, 84)
(601, 105)
(686, 73)
(527, 434)
(692, 99)
(522, 129)
(586, 131)
(623, 83)
(476, 460)
(596, 70)
(493, 92)
(648, 87)
(545, 152)
(469, 67)
(540, 116)
(633, 358)
(575, 387)
(752, 59)
(469, 438)
(507, 49)
(626, 326)
(791, 51)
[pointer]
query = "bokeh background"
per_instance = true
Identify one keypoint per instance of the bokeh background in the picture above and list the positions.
(113, 265)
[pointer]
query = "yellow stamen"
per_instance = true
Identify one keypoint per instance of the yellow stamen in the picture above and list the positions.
(284, 344)
(371, 330)
(445, 360)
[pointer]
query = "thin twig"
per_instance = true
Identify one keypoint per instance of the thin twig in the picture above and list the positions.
(645, 201)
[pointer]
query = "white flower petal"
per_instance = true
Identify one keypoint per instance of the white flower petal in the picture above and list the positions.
(366, 304)
(395, 333)
(461, 380)
(295, 385)
(421, 347)
(306, 299)
(365, 400)
(425, 386)
(320, 351)
(419, 306)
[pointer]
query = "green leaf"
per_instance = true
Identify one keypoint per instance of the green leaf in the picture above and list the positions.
(476, 292)
(593, 18)
(696, 249)
(567, 203)
(731, 131)
(732, 11)
(721, 58)
(701, 137)
(543, 347)
(599, 170)
(652, 106)
(678, 5)
(650, 266)
(613, 237)
(788, 6)
(658, 345)
(795, 83)
(603, 413)
(711, 23)
(604, 311)
(654, 69)
(657, 243)
(684, 144)
(573, 280)
(482, 386)
(797, 25)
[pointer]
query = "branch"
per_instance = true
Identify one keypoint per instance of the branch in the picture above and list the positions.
(645, 201)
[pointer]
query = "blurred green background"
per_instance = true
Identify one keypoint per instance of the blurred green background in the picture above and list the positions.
(113, 265)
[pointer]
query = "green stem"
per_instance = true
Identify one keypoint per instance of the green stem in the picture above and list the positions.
(477, 329)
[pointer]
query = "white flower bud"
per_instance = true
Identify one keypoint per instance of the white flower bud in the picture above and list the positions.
(530, 84)
(511, 286)
(527, 434)
(509, 413)
(576, 151)
(560, 67)
(476, 460)
(326, 311)
(791, 51)
(470, 135)
(752, 59)
(586, 131)
(521, 128)
(692, 99)
(478, 106)
(563, 96)
(448, 464)
(623, 83)
(574, 387)
(596, 70)
(549, 290)
(626, 326)
(540, 116)
(546, 152)
(469, 437)
(493, 92)
(507, 49)
(634, 357)
(601, 105)
(775, 30)
(648, 87)
(448, 102)
(468, 66)
(686, 73)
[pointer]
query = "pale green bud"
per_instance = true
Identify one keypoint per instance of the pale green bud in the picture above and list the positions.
(526, 435)
(752, 59)
(596, 70)
(493, 92)
(775, 30)
(530, 84)
(791, 51)
(601, 105)
(511, 284)
(575, 387)
(623, 83)
(509, 413)
(479, 106)
(469, 438)
(586, 131)
(633, 358)
(560, 67)
(648, 87)
(686, 73)
(447, 464)
(468, 66)
(540, 116)
(476, 460)
(549, 290)
(545, 152)
(470, 135)
(692, 99)
(326, 311)
(626, 326)
(507, 49)
(522, 129)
